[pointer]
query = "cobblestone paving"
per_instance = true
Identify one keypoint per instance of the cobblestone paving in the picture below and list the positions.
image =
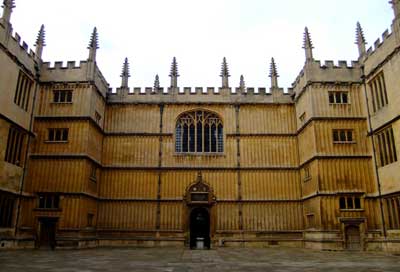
(174, 260)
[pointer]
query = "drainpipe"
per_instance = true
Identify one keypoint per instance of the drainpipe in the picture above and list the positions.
(26, 161)
(374, 151)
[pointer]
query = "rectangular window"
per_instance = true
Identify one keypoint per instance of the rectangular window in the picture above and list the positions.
(386, 146)
(62, 96)
(338, 97)
(350, 203)
(97, 116)
(93, 173)
(23, 91)
(307, 174)
(90, 217)
(310, 220)
(49, 201)
(393, 212)
(15, 146)
(6, 210)
(343, 136)
(57, 135)
(378, 92)
(302, 117)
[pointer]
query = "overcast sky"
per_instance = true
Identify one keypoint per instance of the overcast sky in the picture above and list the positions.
(200, 33)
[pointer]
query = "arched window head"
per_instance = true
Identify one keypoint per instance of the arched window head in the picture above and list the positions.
(199, 132)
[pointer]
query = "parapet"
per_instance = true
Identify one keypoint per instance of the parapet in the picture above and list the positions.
(328, 72)
(382, 48)
(18, 48)
(71, 72)
(386, 35)
(205, 95)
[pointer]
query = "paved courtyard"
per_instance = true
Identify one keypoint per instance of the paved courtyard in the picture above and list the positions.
(172, 259)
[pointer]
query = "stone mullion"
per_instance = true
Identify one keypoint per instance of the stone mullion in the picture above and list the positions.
(158, 215)
(203, 135)
(240, 197)
(195, 136)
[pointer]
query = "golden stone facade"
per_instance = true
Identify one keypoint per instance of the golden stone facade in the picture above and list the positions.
(315, 167)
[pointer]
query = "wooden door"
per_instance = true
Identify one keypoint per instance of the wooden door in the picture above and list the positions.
(353, 239)
(47, 233)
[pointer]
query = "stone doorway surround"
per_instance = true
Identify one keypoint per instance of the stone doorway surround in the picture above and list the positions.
(353, 233)
(199, 200)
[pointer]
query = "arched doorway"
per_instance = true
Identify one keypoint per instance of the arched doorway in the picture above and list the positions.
(353, 239)
(199, 218)
(199, 228)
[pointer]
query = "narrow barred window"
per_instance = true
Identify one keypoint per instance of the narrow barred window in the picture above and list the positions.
(343, 136)
(350, 203)
(393, 212)
(15, 146)
(342, 203)
(336, 97)
(49, 201)
(199, 132)
(23, 91)
(386, 146)
(57, 134)
(377, 87)
(62, 96)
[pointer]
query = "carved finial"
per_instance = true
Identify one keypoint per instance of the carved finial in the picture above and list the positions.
(396, 7)
(360, 40)
(157, 83)
(125, 75)
(7, 6)
(224, 69)
(308, 46)
(273, 74)
(93, 45)
(40, 42)
(174, 68)
(225, 74)
(174, 73)
(242, 84)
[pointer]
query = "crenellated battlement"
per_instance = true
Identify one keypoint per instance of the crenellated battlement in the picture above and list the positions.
(198, 95)
(329, 71)
(341, 64)
(17, 47)
(72, 71)
(386, 35)
(193, 91)
(60, 65)
(381, 49)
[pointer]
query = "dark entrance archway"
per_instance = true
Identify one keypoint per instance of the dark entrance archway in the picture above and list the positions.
(199, 227)
(47, 234)
(199, 216)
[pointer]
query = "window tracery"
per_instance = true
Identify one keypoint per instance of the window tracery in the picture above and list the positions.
(199, 132)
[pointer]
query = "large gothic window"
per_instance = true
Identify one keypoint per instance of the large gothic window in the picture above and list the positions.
(199, 132)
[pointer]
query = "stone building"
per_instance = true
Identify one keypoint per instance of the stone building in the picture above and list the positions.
(315, 166)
